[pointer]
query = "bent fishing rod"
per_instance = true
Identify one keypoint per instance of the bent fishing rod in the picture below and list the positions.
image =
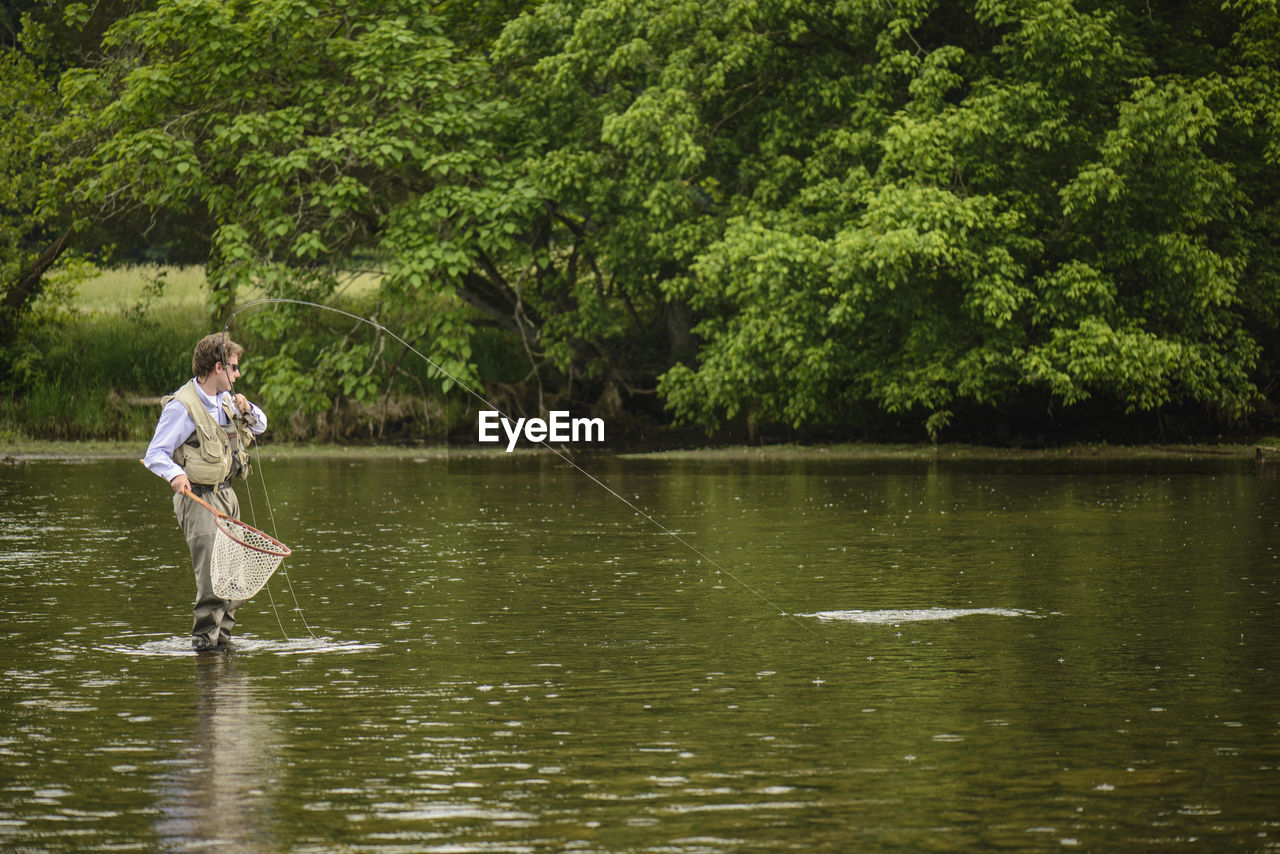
(482, 399)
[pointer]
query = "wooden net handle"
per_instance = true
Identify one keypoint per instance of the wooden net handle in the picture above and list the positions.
(196, 498)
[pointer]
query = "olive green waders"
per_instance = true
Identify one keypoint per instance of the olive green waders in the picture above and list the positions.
(215, 617)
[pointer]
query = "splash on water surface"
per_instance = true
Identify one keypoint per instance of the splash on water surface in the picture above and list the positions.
(247, 645)
(895, 615)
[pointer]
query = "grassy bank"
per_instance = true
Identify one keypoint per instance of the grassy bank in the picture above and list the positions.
(22, 449)
(16, 450)
(98, 375)
(93, 366)
(95, 361)
(137, 289)
(97, 354)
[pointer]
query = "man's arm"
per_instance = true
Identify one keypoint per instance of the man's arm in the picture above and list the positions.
(172, 430)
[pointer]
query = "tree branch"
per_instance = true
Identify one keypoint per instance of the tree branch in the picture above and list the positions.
(19, 296)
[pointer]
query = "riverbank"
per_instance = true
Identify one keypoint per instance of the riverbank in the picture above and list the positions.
(17, 451)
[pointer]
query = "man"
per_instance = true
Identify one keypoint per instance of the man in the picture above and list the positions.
(199, 445)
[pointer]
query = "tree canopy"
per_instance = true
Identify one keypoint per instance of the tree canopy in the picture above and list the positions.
(921, 206)
(771, 211)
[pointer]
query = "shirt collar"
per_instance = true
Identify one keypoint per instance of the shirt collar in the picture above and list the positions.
(209, 402)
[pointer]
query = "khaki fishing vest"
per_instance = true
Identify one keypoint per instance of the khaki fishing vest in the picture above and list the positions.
(213, 452)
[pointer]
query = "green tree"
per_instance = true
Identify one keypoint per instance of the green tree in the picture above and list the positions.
(912, 207)
(621, 103)
(323, 141)
(1030, 198)
(327, 141)
(31, 236)
(39, 227)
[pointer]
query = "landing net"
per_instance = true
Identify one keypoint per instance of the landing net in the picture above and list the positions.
(243, 559)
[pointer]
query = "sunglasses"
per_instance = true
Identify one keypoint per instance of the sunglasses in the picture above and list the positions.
(229, 366)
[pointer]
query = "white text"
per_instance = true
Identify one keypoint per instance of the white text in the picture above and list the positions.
(558, 428)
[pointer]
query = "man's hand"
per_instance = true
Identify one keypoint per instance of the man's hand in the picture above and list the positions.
(180, 484)
(241, 403)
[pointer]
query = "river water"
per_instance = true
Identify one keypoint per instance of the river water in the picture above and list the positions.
(491, 655)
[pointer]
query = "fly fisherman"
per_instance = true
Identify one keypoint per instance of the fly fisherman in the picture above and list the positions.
(200, 444)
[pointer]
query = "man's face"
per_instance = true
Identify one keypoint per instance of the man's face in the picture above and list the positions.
(226, 373)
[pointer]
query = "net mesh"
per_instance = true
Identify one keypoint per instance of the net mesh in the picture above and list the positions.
(243, 559)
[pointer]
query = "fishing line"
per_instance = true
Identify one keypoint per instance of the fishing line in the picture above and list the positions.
(271, 514)
(270, 597)
(284, 570)
(663, 528)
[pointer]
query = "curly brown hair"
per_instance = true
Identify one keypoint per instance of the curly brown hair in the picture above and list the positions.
(212, 349)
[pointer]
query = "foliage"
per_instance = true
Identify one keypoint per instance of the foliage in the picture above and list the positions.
(918, 208)
(27, 104)
(33, 235)
(1023, 197)
(614, 154)
(319, 138)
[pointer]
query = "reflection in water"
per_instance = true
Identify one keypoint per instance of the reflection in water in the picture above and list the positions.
(219, 789)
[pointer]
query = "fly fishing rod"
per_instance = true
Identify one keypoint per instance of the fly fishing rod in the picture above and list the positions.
(478, 396)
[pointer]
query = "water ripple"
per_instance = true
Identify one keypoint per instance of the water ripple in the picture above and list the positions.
(181, 646)
(895, 615)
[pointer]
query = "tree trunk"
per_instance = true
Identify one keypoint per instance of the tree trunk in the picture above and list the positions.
(19, 296)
